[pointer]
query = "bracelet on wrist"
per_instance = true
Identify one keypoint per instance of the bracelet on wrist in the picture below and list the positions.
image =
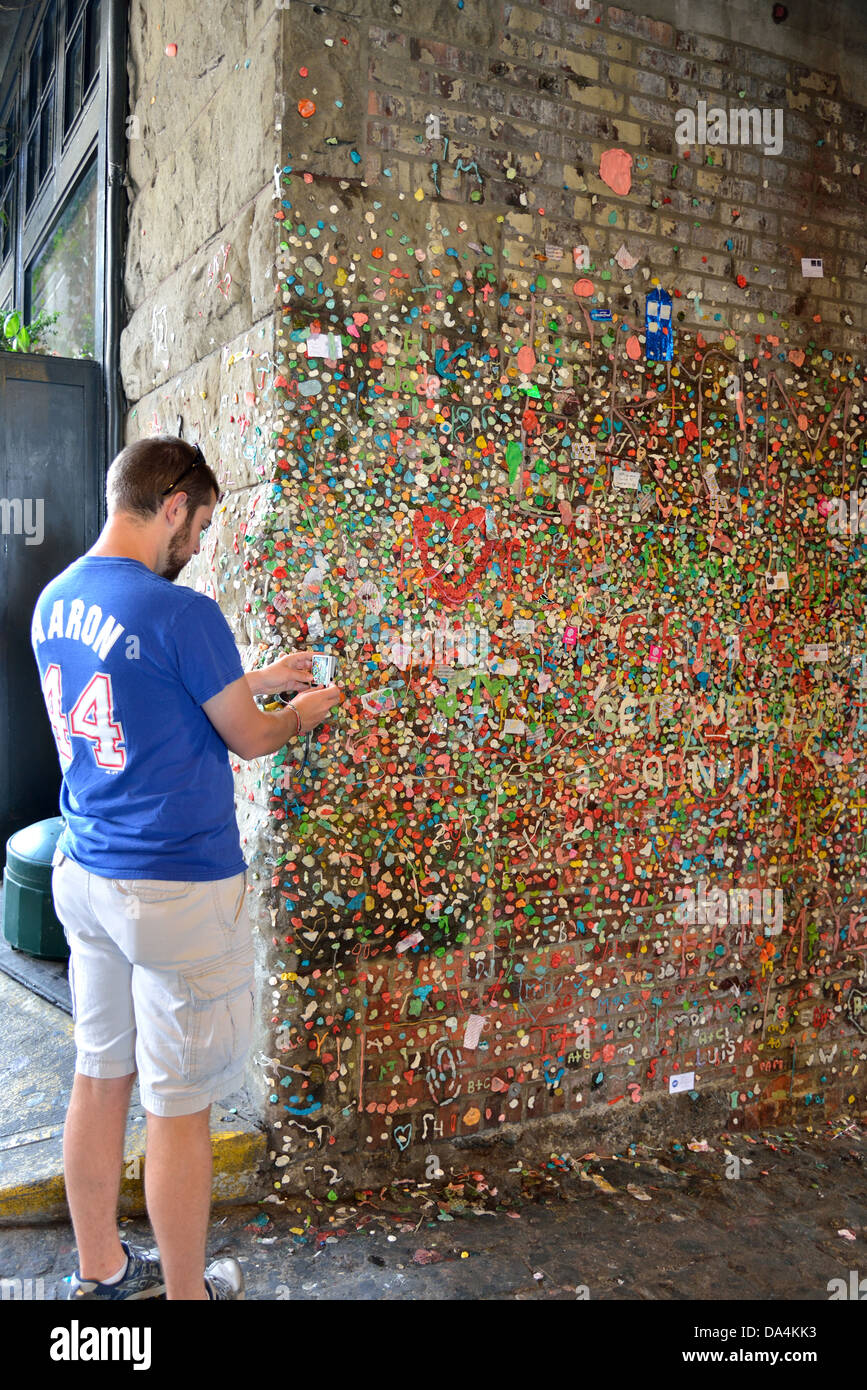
(297, 720)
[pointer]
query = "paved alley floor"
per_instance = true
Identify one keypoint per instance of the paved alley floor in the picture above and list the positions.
(773, 1217)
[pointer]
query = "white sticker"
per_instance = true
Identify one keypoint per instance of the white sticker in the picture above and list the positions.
(625, 477)
(523, 626)
(502, 666)
(513, 726)
(475, 1024)
(585, 450)
(710, 479)
(681, 1081)
(625, 259)
(325, 345)
(409, 941)
(313, 578)
(553, 253)
(401, 655)
(779, 580)
(812, 267)
(816, 651)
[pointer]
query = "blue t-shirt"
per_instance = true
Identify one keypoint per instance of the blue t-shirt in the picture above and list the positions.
(126, 660)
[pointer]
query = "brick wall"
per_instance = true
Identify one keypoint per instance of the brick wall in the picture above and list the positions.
(479, 885)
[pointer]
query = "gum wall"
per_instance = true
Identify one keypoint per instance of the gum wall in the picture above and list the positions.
(558, 444)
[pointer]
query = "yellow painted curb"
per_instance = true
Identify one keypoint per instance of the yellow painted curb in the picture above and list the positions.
(239, 1156)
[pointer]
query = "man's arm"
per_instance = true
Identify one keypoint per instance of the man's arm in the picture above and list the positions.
(254, 680)
(244, 728)
(252, 733)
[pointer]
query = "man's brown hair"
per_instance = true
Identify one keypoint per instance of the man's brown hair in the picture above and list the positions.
(142, 472)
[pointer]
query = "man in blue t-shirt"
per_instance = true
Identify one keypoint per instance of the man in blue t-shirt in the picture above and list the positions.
(146, 695)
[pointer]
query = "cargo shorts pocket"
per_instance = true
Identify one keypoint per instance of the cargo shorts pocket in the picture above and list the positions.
(229, 897)
(220, 1015)
(152, 890)
(70, 976)
(137, 894)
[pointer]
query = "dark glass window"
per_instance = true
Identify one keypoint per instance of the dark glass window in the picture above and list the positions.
(40, 106)
(91, 42)
(82, 57)
(62, 275)
(51, 133)
(74, 78)
(48, 28)
(8, 160)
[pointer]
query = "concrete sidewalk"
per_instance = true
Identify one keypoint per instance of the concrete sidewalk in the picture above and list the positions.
(37, 1062)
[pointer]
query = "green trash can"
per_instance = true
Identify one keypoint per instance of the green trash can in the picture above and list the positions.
(29, 920)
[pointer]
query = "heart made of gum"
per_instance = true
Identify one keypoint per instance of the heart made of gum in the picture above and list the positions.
(423, 523)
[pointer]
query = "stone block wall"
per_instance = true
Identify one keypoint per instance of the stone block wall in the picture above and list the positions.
(204, 144)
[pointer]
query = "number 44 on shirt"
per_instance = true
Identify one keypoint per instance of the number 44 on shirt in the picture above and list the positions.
(91, 717)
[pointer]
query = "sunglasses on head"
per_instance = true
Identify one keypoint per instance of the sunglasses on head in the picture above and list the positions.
(199, 459)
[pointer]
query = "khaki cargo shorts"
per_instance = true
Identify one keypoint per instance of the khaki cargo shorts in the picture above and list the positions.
(162, 982)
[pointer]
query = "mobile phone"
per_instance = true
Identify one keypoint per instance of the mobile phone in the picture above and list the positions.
(323, 668)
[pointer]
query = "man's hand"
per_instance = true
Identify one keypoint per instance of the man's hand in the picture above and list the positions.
(253, 733)
(290, 672)
(315, 705)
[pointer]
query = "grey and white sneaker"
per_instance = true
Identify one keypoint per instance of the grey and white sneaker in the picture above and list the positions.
(143, 1279)
(224, 1279)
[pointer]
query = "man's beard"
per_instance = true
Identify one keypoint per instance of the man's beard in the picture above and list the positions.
(176, 560)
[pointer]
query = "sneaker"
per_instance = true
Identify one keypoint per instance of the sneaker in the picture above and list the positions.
(225, 1279)
(143, 1278)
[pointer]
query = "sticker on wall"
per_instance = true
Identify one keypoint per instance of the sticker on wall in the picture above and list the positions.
(659, 345)
(325, 345)
(472, 1032)
(625, 259)
(812, 267)
(777, 580)
(414, 939)
(681, 1081)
